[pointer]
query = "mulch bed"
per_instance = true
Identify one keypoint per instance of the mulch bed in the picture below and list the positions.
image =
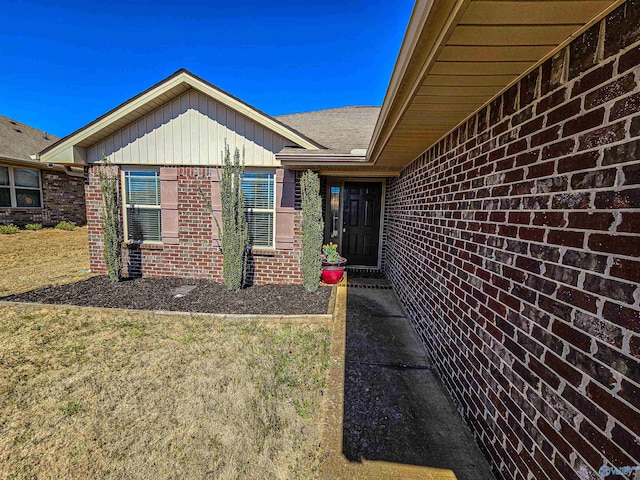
(179, 294)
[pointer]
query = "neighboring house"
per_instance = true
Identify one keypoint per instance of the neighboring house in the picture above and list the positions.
(499, 192)
(31, 192)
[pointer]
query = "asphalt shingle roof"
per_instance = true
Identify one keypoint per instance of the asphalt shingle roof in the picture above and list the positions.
(18, 141)
(338, 129)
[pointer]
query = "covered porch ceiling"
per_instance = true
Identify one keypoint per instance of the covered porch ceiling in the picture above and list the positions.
(459, 54)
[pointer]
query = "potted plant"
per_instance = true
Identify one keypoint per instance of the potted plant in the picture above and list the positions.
(333, 264)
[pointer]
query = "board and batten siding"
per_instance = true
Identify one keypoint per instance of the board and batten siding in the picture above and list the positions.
(190, 130)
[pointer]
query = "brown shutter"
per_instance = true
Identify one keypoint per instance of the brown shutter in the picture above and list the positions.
(285, 208)
(216, 204)
(169, 204)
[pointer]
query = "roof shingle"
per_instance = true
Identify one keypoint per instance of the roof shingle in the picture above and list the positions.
(339, 129)
(18, 141)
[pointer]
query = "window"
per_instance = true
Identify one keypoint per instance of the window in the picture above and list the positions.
(142, 206)
(20, 187)
(259, 200)
(335, 211)
(5, 189)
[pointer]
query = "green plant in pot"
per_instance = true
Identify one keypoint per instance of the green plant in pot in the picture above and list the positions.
(333, 264)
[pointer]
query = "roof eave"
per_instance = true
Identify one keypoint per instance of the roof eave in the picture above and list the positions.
(342, 165)
(435, 86)
(298, 159)
(408, 70)
(34, 163)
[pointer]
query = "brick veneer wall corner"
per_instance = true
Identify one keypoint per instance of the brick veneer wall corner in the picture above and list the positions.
(197, 255)
(514, 245)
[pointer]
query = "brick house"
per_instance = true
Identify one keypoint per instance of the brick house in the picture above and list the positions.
(496, 187)
(165, 143)
(31, 192)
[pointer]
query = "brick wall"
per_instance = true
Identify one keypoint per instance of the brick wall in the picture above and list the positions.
(197, 254)
(63, 199)
(513, 244)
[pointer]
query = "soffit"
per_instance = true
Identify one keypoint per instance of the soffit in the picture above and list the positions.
(463, 53)
(134, 115)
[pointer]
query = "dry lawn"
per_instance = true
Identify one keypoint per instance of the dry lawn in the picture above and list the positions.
(33, 259)
(89, 395)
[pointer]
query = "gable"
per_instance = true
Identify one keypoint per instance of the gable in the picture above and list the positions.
(190, 130)
(120, 122)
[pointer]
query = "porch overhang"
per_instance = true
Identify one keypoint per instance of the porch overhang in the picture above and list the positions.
(457, 55)
(332, 163)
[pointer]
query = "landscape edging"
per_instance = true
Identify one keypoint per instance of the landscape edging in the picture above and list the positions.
(247, 317)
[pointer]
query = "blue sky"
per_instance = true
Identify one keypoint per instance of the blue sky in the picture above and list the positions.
(65, 63)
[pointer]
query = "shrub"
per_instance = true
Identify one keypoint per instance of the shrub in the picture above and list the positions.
(111, 228)
(8, 229)
(312, 230)
(68, 226)
(234, 234)
(33, 226)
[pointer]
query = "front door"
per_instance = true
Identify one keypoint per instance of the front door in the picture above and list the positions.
(361, 222)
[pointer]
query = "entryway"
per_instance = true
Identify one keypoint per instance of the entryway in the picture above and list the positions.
(354, 219)
(388, 415)
(395, 408)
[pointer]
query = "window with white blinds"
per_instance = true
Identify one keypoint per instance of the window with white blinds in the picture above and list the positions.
(142, 206)
(260, 206)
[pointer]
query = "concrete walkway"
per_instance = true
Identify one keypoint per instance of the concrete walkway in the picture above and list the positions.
(395, 408)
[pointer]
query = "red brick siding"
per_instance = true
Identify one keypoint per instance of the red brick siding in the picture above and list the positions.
(197, 255)
(62, 199)
(514, 245)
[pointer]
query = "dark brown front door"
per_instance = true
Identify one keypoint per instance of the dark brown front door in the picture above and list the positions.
(361, 222)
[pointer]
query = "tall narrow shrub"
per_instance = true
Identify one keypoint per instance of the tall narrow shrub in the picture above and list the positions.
(111, 227)
(234, 234)
(312, 230)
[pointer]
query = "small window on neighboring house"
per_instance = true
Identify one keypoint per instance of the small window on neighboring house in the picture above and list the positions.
(5, 189)
(142, 206)
(27, 184)
(20, 187)
(259, 199)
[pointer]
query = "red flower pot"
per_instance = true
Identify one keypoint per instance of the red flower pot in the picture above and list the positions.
(332, 273)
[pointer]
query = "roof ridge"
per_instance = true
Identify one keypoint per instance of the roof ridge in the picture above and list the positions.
(327, 109)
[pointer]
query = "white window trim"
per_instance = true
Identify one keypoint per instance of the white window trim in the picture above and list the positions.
(12, 188)
(125, 228)
(271, 210)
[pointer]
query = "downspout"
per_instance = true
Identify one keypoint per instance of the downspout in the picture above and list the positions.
(71, 171)
(74, 171)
